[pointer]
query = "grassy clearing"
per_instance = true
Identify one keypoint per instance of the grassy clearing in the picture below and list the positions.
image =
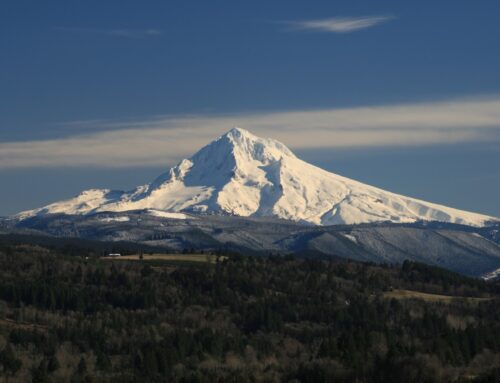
(409, 294)
(198, 258)
(10, 323)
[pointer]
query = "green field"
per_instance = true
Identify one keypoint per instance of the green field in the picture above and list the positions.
(409, 294)
(198, 258)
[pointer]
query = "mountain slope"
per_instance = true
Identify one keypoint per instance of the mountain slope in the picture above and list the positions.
(241, 174)
(464, 249)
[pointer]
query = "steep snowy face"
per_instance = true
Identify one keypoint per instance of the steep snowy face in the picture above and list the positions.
(242, 174)
(231, 175)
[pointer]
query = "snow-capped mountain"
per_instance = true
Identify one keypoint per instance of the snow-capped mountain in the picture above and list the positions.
(241, 174)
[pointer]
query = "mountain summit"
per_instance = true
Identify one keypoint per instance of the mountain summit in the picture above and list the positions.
(245, 175)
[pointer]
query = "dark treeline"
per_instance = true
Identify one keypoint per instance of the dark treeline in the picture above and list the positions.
(243, 319)
(77, 246)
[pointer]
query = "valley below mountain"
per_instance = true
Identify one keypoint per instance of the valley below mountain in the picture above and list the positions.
(468, 250)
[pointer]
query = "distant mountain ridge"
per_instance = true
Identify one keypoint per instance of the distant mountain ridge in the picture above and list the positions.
(245, 175)
(468, 250)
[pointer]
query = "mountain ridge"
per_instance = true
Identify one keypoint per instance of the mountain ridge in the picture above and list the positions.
(245, 175)
(469, 250)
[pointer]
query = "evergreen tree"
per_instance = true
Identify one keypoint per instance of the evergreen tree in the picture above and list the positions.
(9, 361)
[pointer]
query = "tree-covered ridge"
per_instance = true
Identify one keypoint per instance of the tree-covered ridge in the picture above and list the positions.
(67, 318)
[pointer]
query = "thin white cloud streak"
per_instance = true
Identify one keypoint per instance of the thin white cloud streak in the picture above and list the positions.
(339, 24)
(119, 32)
(165, 141)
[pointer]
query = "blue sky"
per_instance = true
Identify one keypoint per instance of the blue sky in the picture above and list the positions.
(403, 95)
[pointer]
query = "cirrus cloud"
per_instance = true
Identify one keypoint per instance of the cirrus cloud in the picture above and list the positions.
(165, 140)
(339, 24)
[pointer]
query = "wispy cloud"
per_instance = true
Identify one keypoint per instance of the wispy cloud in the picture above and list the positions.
(339, 24)
(164, 141)
(118, 32)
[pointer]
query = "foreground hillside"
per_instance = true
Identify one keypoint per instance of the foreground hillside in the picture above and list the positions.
(242, 319)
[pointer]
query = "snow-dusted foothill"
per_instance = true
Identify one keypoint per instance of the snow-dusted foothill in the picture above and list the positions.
(166, 214)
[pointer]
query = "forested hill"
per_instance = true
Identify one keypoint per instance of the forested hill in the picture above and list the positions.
(231, 318)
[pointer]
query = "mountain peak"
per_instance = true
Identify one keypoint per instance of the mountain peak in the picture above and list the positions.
(246, 175)
(239, 136)
(236, 131)
(248, 146)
